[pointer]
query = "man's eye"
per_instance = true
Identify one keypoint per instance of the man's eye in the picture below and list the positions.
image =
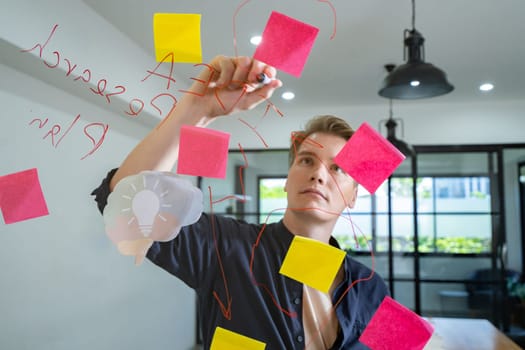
(305, 160)
(338, 169)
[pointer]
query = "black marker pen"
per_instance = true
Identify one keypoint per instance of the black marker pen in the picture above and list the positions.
(263, 79)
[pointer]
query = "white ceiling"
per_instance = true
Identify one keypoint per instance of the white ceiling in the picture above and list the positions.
(473, 41)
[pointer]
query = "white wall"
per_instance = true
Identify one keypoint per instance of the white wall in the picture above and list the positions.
(64, 285)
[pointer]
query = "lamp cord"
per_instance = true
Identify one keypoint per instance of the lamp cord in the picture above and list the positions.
(413, 14)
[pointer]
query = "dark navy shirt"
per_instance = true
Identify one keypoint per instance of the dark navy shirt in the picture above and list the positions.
(234, 268)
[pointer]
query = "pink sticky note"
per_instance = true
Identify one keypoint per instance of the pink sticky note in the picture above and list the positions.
(286, 43)
(369, 158)
(394, 326)
(203, 152)
(21, 196)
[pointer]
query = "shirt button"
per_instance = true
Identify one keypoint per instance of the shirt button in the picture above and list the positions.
(297, 301)
(300, 338)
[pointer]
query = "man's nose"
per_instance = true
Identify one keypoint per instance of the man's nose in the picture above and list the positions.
(319, 173)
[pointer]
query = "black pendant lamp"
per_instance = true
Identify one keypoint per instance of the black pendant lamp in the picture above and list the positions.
(401, 145)
(391, 125)
(416, 78)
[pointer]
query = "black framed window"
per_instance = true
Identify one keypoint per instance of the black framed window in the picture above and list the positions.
(455, 215)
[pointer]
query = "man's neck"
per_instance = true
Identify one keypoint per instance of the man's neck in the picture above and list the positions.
(301, 223)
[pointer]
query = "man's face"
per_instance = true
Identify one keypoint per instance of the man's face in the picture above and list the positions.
(315, 181)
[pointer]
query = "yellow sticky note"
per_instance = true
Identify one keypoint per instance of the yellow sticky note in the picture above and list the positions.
(312, 262)
(179, 33)
(224, 339)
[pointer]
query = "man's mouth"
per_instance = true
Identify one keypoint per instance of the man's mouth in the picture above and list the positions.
(315, 192)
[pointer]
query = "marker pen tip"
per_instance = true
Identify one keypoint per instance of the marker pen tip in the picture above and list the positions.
(263, 78)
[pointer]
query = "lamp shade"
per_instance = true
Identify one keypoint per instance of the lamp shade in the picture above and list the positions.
(401, 145)
(416, 78)
(431, 81)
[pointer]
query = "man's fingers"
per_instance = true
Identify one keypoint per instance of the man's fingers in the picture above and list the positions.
(242, 68)
(236, 73)
(254, 98)
(232, 71)
(225, 68)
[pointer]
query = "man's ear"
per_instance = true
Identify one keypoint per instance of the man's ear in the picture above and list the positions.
(353, 195)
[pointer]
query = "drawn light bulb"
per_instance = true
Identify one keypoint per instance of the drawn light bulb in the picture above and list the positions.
(145, 206)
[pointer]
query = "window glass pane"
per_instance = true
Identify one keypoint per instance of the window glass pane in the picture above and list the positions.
(363, 203)
(381, 198)
(402, 197)
(463, 233)
(402, 233)
(446, 164)
(378, 263)
(354, 232)
(426, 232)
(381, 238)
(353, 229)
(405, 293)
(401, 218)
(473, 225)
(462, 194)
(272, 199)
(439, 267)
(425, 195)
(401, 191)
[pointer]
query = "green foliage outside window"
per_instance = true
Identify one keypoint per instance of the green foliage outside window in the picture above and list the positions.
(451, 245)
(271, 192)
(462, 245)
(359, 243)
(272, 189)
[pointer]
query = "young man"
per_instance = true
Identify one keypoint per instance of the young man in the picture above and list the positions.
(234, 266)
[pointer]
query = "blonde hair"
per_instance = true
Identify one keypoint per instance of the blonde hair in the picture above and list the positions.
(328, 124)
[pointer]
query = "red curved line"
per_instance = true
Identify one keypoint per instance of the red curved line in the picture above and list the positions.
(372, 273)
(270, 104)
(335, 17)
(255, 131)
(289, 313)
(226, 311)
(235, 26)
(241, 180)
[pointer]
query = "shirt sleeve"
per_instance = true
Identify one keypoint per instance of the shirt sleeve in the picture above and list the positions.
(190, 256)
(102, 192)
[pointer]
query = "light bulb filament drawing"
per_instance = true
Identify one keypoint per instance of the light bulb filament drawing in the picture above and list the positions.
(145, 205)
